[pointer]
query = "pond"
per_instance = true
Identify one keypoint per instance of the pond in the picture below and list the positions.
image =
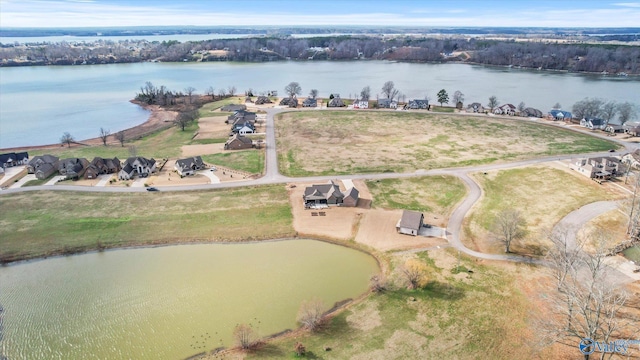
(168, 302)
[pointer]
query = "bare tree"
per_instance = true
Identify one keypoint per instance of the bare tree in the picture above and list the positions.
(185, 118)
(311, 314)
(564, 254)
(232, 90)
(120, 136)
(189, 91)
(104, 134)
(414, 273)
(626, 112)
(211, 92)
(378, 283)
(299, 349)
(245, 337)
(222, 92)
(67, 138)
(587, 303)
(493, 102)
(509, 225)
(458, 97)
(521, 106)
(609, 110)
(365, 93)
(389, 90)
(587, 108)
(557, 106)
(293, 89)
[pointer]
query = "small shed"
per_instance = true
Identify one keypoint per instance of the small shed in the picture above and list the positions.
(410, 222)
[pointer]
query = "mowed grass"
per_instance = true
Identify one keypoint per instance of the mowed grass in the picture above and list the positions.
(37, 224)
(436, 194)
(544, 195)
(251, 161)
(165, 143)
(454, 317)
(346, 142)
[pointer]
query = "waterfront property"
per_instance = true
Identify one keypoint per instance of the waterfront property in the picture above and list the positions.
(238, 142)
(418, 104)
(388, 103)
(475, 108)
(139, 166)
(43, 166)
(73, 168)
(600, 168)
(410, 222)
(361, 104)
(329, 194)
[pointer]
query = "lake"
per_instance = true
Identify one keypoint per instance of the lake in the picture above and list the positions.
(38, 104)
(168, 302)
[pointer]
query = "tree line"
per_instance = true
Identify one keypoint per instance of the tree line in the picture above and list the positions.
(548, 55)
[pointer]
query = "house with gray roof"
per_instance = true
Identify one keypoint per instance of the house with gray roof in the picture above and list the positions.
(418, 104)
(388, 103)
(14, 159)
(410, 222)
(310, 102)
(73, 168)
(475, 108)
(233, 107)
(137, 165)
(329, 194)
(593, 123)
(189, 166)
(336, 102)
(43, 166)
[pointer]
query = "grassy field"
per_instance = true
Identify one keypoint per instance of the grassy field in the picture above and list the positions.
(633, 253)
(437, 194)
(251, 161)
(543, 195)
(344, 142)
(37, 224)
(453, 317)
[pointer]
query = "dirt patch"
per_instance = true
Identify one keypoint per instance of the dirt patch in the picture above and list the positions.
(201, 149)
(365, 317)
(212, 127)
(338, 222)
(378, 230)
(401, 342)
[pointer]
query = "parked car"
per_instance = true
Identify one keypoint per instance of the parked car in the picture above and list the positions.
(152, 189)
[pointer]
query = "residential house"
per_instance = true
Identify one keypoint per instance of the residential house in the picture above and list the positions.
(593, 123)
(632, 128)
(329, 194)
(559, 115)
(361, 104)
(310, 102)
(243, 128)
(531, 112)
(106, 166)
(91, 172)
(233, 107)
(388, 103)
(73, 168)
(336, 102)
(602, 168)
(189, 166)
(506, 109)
(14, 159)
(614, 128)
(418, 104)
(262, 100)
(138, 165)
(241, 115)
(291, 102)
(632, 159)
(238, 142)
(410, 222)
(43, 166)
(475, 108)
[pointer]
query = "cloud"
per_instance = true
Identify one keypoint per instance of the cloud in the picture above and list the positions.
(628, 4)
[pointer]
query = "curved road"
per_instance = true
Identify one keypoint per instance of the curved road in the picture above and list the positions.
(273, 176)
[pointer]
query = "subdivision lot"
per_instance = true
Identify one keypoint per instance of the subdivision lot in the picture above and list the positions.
(343, 142)
(42, 223)
(543, 194)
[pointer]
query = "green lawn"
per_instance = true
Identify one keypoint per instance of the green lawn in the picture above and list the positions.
(633, 254)
(438, 194)
(42, 223)
(483, 315)
(251, 160)
(347, 142)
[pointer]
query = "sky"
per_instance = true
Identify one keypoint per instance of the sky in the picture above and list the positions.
(429, 13)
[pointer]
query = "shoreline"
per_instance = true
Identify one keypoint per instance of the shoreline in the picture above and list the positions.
(158, 119)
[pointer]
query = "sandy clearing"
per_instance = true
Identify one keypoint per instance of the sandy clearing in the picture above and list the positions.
(212, 127)
(201, 149)
(378, 230)
(169, 177)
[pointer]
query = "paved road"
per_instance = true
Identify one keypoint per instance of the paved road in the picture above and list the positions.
(575, 220)
(273, 176)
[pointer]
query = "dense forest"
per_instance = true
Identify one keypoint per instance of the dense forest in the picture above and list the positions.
(552, 55)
